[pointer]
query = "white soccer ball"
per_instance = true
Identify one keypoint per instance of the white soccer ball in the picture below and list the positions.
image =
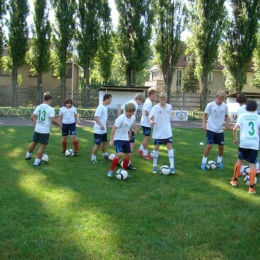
(111, 156)
(152, 154)
(247, 170)
(69, 153)
(165, 170)
(211, 165)
(247, 180)
(121, 174)
(45, 158)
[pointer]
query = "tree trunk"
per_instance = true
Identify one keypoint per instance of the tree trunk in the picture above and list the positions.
(204, 92)
(62, 89)
(15, 86)
(86, 91)
(39, 88)
(130, 77)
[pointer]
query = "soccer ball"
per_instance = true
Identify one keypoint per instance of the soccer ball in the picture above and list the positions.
(69, 153)
(211, 165)
(45, 158)
(247, 180)
(152, 154)
(247, 170)
(165, 170)
(121, 174)
(111, 156)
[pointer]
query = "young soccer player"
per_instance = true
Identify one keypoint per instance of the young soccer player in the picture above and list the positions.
(160, 119)
(217, 114)
(249, 124)
(100, 128)
(120, 137)
(45, 115)
(68, 116)
(138, 100)
(147, 129)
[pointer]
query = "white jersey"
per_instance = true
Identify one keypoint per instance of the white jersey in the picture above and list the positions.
(216, 116)
(43, 112)
(146, 107)
(123, 125)
(249, 124)
(130, 101)
(241, 110)
(162, 116)
(102, 114)
(68, 114)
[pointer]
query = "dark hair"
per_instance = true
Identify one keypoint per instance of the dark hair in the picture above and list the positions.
(68, 101)
(47, 97)
(251, 105)
(241, 98)
(107, 96)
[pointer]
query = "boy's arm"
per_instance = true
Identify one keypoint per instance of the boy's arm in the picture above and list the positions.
(204, 119)
(59, 121)
(33, 118)
(99, 123)
(235, 134)
(130, 133)
(77, 119)
(227, 122)
(55, 122)
(119, 111)
(111, 143)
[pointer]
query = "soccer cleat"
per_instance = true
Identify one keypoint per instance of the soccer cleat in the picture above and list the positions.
(28, 158)
(130, 167)
(220, 165)
(62, 151)
(172, 171)
(140, 152)
(94, 161)
(251, 190)
(147, 157)
(154, 169)
(76, 153)
(36, 164)
(106, 157)
(203, 167)
(233, 183)
(110, 174)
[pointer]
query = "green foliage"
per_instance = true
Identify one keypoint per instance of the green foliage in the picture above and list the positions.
(2, 13)
(240, 41)
(256, 60)
(134, 34)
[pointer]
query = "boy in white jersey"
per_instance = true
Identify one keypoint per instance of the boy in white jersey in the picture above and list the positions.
(249, 124)
(121, 135)
(100, 128)
(138, 100)
(146, 125)
(68, 116)
(217, 113)
(160, 119)
(45, 115)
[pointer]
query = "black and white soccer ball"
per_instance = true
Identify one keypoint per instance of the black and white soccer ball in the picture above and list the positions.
(69, 153)
(211, 165)
(121, 174)
(165, 170)
(246, 170)
(247, 180)
(45, 158)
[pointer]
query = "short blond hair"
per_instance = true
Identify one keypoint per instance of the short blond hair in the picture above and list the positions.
(140, 96)
(162, 94)
(130, 107)
(221, 93)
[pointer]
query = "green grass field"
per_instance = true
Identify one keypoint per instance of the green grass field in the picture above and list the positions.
(70, 209)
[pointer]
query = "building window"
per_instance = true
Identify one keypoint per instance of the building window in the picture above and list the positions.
(188, 59)
(224, 78)
(69, 73)
(178, 79)
(210, 77)
(4, 72)
(155, 74)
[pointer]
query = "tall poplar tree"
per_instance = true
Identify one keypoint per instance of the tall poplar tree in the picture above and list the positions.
(2, 13)
(39, 54)
(256, 60)
(17, 43)
(208, 18)
(134, 34)
(64, 29)
(87, 40)
(240, 41)
(170, 23)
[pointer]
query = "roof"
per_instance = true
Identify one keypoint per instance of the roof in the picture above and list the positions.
(124, 88)
(247, 94)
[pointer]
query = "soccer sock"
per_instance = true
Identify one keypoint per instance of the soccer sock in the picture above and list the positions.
(76, 145)
(93, 157)
(28, 154)
(36, 161)
(171, 157)
(204, 159)
(104, 154)
(125, 164)
(64, 145)
(141, 148)
(236, 171)
(155, 157)
(114, 164)
(219, 159)
(145, 152)
(252, 178)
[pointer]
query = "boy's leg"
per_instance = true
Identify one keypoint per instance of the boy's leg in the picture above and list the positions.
(205, 156)
(171, 157)
(155, 157)
(237, 168)
(104, 149)
(30, 150)
(39, 154)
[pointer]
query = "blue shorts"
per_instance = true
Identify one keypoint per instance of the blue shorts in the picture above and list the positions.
(40, 138)
(214, 138)
(147, 131)
(99, 138)
(122, 146)
(163, 141)
(69, 129)
(132, 140)
(249, 155)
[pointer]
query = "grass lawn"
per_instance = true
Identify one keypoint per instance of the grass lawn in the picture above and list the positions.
(70, 209)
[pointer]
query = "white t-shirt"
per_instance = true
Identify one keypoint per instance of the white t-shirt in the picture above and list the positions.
(162, 116)
(216, 116)
(68, 114)
(146, 107)
(241, 110)
(43, 112)
(130, 101)
(249, 124)
(123, 125)
(102, 114)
